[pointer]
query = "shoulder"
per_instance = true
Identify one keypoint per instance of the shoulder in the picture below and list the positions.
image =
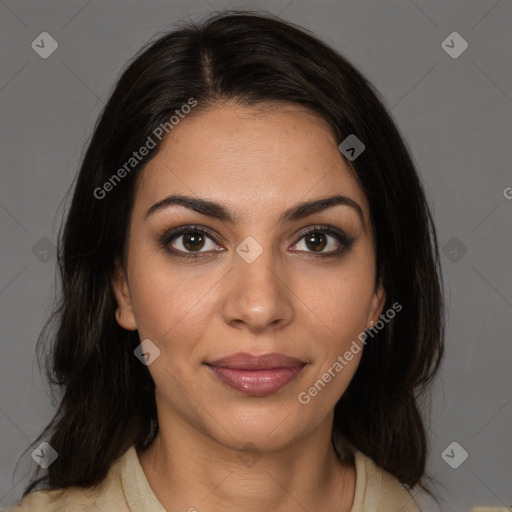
(379, 491)
(62, 500)
(108, 496)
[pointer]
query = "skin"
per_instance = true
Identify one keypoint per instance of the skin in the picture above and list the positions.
(257, 162)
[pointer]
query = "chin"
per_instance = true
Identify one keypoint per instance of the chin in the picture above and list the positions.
(268, 431)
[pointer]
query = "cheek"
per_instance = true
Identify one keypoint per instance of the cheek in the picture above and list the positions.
(171, 302)
(338, 314)
(340, 299)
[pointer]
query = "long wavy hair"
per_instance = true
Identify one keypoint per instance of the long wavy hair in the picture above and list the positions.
(104, 396)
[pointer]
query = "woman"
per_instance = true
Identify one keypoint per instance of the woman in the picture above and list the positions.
(251, 303)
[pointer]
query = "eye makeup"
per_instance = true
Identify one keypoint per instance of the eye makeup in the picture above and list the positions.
(169, 236)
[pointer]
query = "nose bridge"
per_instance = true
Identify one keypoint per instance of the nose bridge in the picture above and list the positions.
(258, 296)
(258, 268)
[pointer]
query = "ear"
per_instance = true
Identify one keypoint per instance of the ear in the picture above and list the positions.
(377, 304)
(124, 312)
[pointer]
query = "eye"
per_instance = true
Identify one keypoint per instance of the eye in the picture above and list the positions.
(196, 242)
(187, 241)
(323, 241)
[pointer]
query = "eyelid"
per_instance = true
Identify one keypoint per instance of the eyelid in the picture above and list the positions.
(171, 234)
(342, 238)
(324, 228)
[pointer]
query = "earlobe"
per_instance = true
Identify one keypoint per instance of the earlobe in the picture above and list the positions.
(124, 312)
(125, 321)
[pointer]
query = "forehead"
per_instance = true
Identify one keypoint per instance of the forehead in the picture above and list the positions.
(265, 157)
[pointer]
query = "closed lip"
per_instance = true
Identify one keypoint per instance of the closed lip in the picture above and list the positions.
(246, 361)
(256, 375)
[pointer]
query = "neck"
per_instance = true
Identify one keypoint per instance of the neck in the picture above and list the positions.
(190, 471)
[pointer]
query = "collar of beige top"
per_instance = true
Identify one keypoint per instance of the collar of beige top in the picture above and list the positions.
(140, 496)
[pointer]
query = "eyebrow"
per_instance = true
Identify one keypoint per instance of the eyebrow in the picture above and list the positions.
(220, 212)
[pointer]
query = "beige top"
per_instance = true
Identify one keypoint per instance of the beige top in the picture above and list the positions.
(126, 489)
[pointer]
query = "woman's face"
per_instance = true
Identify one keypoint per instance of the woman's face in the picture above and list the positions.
(255, 284)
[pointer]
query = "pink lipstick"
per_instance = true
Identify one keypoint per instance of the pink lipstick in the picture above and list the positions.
(256, 375)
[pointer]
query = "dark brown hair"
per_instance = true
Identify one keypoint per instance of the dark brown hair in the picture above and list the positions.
(105, 395)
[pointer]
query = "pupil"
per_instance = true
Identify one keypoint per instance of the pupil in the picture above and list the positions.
(316, 241)
(193, 241)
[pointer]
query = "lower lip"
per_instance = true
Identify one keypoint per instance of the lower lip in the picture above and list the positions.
(256, 382)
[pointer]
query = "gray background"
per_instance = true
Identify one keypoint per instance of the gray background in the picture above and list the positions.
(454, 113)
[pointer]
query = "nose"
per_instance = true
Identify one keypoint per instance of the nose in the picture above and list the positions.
(258, 298)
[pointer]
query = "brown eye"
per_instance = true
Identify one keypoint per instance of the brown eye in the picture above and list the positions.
(190, 241)
(193, 241)
(323, 241)
(316, 241)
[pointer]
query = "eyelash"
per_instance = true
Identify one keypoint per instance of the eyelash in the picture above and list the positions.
(169, 236)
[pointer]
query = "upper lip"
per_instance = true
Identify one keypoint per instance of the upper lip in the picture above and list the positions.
(245, 361)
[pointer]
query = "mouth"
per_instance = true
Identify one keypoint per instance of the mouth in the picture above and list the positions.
(256, 375)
